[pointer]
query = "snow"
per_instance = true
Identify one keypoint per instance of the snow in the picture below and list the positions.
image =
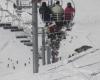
(81, 66)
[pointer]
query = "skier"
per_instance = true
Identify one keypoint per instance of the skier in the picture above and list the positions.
(45, 12)
(68, 14)
(57, 13)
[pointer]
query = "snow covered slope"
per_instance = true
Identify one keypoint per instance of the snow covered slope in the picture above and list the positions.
(81, 66)
(12, 53)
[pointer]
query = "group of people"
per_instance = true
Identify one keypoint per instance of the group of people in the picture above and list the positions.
(57, 13)
(55, 17)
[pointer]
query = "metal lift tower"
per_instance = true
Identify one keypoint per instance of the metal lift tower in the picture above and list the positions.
(35, 36)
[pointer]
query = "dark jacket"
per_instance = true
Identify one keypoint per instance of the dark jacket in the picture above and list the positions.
(45, 12)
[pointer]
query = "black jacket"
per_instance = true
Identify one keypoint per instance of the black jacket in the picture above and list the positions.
(45, 12)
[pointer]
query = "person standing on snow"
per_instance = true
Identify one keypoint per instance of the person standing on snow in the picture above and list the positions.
(45, 12)
(68, 13)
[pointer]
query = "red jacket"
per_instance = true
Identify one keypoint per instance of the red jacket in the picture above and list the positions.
(68, 12)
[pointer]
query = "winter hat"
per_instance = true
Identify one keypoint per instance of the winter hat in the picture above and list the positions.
(69, 4)
(58, 2)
